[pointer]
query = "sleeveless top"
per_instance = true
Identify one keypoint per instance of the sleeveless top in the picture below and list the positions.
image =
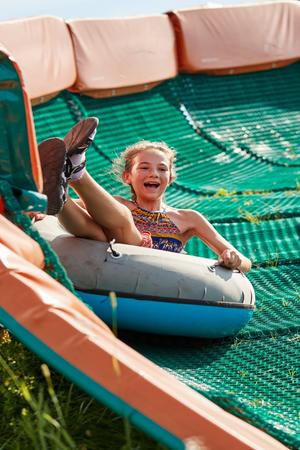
(165, 234)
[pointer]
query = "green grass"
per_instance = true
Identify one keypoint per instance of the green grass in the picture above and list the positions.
(42, 410)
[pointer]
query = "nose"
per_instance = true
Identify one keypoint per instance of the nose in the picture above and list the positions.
(154, 172)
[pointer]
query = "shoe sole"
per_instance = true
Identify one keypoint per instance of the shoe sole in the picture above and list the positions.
(79, 134)
(53, 157)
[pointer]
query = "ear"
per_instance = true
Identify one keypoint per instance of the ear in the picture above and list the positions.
(126, 177)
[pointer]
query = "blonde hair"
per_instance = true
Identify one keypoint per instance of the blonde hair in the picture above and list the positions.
(125, 161)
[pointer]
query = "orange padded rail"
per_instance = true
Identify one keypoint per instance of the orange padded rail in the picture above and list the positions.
(43, 49)
(115, 54)
(21, 244)
(222, 40)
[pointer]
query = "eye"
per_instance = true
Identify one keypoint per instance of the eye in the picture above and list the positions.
(163, 169)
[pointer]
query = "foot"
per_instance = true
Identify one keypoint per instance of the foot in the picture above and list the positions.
(53, 160)
(77, 141)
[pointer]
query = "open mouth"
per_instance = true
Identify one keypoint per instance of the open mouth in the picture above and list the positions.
(152, 185)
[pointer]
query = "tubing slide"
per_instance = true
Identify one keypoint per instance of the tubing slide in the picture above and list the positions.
(231, 111)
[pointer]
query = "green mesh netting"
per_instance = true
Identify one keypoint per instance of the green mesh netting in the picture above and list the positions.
(228, 207)
(248, 111)
(238, 163)
(267, 241)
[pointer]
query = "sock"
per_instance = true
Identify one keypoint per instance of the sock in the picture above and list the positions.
(75, 167)
(76, 163)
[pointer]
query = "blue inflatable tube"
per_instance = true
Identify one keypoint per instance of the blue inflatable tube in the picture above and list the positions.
(156, 291)
(170, 317)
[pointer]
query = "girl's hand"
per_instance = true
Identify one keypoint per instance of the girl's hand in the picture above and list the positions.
(230, 258)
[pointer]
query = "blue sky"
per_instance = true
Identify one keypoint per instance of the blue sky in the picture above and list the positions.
(70, 9)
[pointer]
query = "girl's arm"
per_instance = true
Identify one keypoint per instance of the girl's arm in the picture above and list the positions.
(228, 255)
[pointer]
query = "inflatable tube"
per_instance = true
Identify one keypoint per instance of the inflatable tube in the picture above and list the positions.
(157, 291)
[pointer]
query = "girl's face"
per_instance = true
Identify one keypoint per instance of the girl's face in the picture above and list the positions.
(150, 174)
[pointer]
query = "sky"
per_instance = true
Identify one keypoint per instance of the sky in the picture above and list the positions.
(72, 9)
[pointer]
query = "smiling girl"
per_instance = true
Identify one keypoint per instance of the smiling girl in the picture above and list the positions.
(145, 220)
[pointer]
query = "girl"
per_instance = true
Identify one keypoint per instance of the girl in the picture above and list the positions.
(145, 220)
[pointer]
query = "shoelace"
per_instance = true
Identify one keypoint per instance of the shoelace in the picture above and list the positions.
(85, 146)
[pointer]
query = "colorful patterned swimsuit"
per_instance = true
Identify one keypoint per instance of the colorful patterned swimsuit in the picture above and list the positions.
(165, 235)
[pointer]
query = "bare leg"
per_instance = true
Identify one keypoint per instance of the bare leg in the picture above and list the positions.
(113, 218)
(77, 221)
(104, 217)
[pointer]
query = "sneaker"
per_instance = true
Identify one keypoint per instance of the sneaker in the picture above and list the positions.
(53, 160)
(80, 137)
(77, 141)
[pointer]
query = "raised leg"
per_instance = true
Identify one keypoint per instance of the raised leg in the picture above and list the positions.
(77, 221)
(103, 218)
(114, 218)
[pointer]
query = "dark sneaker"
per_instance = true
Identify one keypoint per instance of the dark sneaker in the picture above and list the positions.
(53, 160)
(77, 141)
(80, 137)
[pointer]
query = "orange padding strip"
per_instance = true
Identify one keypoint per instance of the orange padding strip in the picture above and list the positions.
(17, 241)
(57, 318)
(43, 48)
(210, 38)
(122, 52)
